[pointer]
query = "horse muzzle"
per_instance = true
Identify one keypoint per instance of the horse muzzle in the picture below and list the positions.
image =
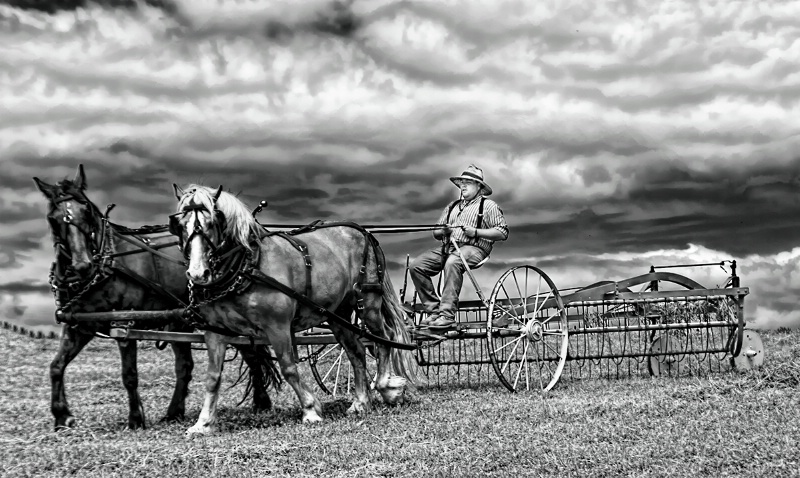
(200, 277)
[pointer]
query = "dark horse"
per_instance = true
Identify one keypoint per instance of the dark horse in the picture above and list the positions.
(102, 266)
(339, 267)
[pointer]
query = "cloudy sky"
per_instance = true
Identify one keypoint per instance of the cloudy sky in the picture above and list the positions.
(616, 135)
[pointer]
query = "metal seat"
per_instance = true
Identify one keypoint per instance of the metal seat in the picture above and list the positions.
(476, 266)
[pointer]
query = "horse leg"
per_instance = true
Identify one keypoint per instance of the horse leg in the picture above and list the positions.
(72, 342)
(281, 340)
(355, 352)
(184, 364)
(206, 422)
(254, 358)
(391, 387)
(130, 379)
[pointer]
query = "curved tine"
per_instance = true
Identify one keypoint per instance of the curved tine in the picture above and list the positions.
(179, 192)
(219, 192)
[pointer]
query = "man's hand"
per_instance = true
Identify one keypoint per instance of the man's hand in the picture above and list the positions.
(470, 231)
(443, 232)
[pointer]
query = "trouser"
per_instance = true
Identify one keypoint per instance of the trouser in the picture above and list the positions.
(429, 263)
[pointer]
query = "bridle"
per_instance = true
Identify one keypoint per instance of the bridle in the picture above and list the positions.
(68, 290)
(218, 224)
(60, 228)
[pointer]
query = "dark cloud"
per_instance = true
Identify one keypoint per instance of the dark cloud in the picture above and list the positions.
(17, 211)
(23, 287)
(595, 174)
(52, 6)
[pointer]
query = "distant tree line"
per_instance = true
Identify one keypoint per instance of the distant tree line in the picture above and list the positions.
(34, 334)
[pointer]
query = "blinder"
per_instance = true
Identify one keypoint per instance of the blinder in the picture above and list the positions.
(175, 224)
(87, 224)
(175, 227)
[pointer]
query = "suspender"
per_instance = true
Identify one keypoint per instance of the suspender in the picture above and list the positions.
(478, 218)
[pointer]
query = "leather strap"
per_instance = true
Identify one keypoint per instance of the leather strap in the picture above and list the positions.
(259, 276)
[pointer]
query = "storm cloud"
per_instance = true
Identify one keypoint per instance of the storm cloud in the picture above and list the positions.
(610, 131)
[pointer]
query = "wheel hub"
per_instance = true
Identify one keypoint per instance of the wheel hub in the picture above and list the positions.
(534, 330)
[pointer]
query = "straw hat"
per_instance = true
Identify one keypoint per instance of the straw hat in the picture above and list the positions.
(473, 173)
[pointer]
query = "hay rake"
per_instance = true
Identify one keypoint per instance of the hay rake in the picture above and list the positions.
(529, 334)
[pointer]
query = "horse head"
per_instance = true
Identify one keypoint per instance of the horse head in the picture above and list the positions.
(75, 223)
(208, 223)
(200, 228)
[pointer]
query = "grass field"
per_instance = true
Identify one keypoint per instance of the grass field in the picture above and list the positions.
(726, 424)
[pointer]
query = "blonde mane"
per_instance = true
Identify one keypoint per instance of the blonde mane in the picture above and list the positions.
(241, 225)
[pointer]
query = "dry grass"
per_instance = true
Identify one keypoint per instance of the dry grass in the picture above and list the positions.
(727, 424)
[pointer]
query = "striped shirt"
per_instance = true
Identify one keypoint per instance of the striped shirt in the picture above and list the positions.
(466, 214)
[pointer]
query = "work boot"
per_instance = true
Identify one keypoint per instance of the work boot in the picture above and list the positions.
(442, 322)
(427, 320)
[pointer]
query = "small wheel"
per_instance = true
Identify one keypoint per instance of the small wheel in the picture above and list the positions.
(527, 330)
(751, 354)
(332, 370)
(668, 346)
(737, 335)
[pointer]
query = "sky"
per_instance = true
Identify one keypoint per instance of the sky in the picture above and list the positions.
(616, 134)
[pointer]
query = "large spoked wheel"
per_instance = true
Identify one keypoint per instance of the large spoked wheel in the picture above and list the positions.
(527, 330)
(332, 370)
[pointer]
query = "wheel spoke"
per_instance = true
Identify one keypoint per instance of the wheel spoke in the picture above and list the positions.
(335, 364)
(549, 294)
(511, 355)
(524, 360)
(516, 339)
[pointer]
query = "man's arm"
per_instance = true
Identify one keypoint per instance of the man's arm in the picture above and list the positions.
(493, 217)
(492, 233)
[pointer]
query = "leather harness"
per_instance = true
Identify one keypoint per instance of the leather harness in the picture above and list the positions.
(68, 293)
(241, 270)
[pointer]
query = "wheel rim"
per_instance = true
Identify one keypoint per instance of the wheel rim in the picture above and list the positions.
(333, 372)
(528, 349)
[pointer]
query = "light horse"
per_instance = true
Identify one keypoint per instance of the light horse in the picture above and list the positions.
(101, 266)
(270, 285)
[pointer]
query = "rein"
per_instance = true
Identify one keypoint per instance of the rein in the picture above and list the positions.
(374, 229)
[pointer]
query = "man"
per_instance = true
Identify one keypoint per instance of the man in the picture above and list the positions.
(475, 223)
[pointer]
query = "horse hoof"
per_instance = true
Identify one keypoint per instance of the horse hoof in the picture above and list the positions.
(69, 422)
(394, 392)
(137, 424)
(358, 408)
(262, 406)
(311, 417)
(199, 430)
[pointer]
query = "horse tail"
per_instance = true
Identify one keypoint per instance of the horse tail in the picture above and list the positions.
(270, 375)
(403, 361)
(258, 368)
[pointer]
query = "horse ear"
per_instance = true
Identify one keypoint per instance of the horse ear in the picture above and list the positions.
(46, 189)
(179, 192)
(80, 178)
(219, 192)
